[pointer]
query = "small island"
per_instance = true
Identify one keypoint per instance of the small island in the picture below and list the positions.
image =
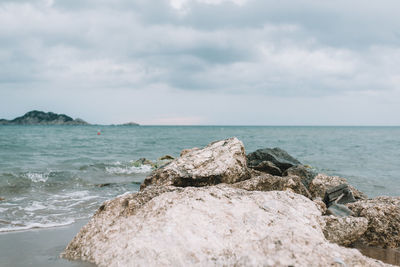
(130, 124)
(36, 117)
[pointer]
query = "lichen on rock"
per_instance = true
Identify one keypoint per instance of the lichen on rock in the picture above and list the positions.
(383, 214)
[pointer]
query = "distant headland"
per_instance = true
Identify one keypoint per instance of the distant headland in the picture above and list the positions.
(36, 117)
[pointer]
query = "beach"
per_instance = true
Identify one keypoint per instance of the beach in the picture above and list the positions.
(39, 247)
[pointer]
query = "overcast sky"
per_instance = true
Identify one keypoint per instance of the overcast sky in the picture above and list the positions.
(224, 62)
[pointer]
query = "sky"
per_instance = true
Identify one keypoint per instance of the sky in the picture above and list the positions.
(202, 62)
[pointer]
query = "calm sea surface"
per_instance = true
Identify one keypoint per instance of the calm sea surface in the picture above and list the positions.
(49, 175)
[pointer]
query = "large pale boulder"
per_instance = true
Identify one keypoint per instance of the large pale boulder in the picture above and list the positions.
(383, 214)
(219, 162)
(322, 182)
(210, 226)
(344, 230)
(267, 182)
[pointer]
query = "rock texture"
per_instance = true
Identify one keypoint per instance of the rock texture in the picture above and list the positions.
(322, 182)
(268, 159)
(219, 162)
(267, 182)
(209, 226)
(344, 231)
(383, 214)
(42, 118)
(306, 174)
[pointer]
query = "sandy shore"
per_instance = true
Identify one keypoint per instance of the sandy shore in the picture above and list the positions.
(39, 247)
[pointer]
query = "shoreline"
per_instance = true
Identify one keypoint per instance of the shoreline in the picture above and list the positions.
(39, 247)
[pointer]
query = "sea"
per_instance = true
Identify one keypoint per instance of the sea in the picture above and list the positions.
(56, 175)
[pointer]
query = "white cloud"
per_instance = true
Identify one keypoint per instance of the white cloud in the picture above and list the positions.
(181, 49)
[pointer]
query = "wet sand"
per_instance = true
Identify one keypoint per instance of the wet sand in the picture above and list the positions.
(387, 255)
(39, 247)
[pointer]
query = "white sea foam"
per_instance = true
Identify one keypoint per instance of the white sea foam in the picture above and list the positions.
(37, 177)
(17, 227)
(128, 169)
(35, 206)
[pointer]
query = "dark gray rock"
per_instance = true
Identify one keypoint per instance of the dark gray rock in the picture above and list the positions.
(279, 157)
(42, 118)
(340, 194)
(306, 174)
(268, 167)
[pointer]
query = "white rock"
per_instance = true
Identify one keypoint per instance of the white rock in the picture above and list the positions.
(219, 162)
(209, 226)
(344, 230)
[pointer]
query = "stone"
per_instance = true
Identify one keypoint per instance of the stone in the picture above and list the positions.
(143, 161)
(320, 204)
(383, 214)
(268, 167)
(267, 182)
(345, 230)
(166, 157)
(214, 225)
(340, 194)
(2, 198)
(339, 210)
(305, 173)
(187, 150)
(220, 162)
(279, 157)
(322, 182)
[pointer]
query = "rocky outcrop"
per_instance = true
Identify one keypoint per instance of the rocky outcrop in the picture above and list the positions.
(271, 160)
(217, 225)
(383, 214)
(322, 182)
(345, 230)
(219, 162)
(305, 173)
(266, 182)
(42, 118)
(207, 208)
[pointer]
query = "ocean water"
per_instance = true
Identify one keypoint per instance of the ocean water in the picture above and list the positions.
(50, 175)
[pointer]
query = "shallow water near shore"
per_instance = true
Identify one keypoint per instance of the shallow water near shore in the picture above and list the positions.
(50, 175)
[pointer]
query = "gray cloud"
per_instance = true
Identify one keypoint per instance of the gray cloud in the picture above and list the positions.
(267, 49)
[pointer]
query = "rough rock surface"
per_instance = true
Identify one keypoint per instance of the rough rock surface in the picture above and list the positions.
(279, 157)
(268, 167)
(267, 182)
(383, 214)
(219, 162)
(306, 174)
(323, 182)
(345, 230)
(210, 226)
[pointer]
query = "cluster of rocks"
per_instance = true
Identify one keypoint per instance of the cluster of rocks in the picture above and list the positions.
(217, 206)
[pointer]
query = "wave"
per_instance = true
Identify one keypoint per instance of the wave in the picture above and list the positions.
(19, 227)
(37, 177)
(129, 169)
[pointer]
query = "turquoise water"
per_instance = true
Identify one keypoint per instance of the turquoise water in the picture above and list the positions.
(49, 175)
